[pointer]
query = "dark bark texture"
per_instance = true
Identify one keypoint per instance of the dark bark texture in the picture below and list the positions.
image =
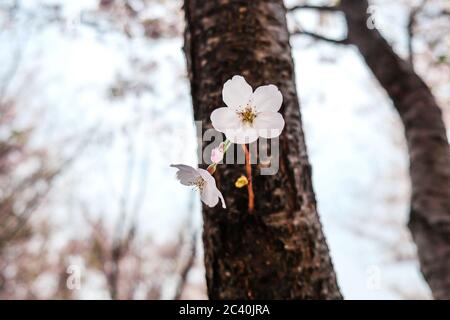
(427, 142)
(279, 251)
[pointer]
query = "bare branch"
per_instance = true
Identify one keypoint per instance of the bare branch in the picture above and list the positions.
(320, 37)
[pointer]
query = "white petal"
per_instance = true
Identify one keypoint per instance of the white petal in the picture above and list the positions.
(242, 135)
(267, 98)
(225, 118)
(221, 199)
(186, 174)
(210, 193)
(206, 176)
(236, 92)
(209, 197)
(269, 124)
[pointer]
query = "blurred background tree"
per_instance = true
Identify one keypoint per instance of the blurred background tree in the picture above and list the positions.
(425, 131)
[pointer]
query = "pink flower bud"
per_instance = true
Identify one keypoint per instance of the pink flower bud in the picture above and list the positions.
(217, 153)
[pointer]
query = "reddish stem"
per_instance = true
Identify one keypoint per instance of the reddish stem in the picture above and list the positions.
(248, 169)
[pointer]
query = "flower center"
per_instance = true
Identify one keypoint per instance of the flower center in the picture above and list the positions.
(200, 183)
(247, 115)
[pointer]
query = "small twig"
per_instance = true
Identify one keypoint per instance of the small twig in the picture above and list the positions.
(299, 30)
(248, 168)
(186, 268)
(410, 29)
(318, 8)
(320, 37)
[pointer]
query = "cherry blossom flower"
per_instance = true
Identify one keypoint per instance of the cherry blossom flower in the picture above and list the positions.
(248, 115)
(201, 180)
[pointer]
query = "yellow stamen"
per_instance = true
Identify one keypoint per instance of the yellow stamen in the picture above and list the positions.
(247, 115)
(200, 183)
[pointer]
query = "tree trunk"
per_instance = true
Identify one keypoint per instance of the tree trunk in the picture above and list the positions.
(429, 150)
(279, 251)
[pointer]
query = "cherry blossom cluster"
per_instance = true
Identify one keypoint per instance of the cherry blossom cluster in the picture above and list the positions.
(247, 116)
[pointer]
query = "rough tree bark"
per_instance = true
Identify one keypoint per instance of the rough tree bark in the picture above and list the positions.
(279, 251)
